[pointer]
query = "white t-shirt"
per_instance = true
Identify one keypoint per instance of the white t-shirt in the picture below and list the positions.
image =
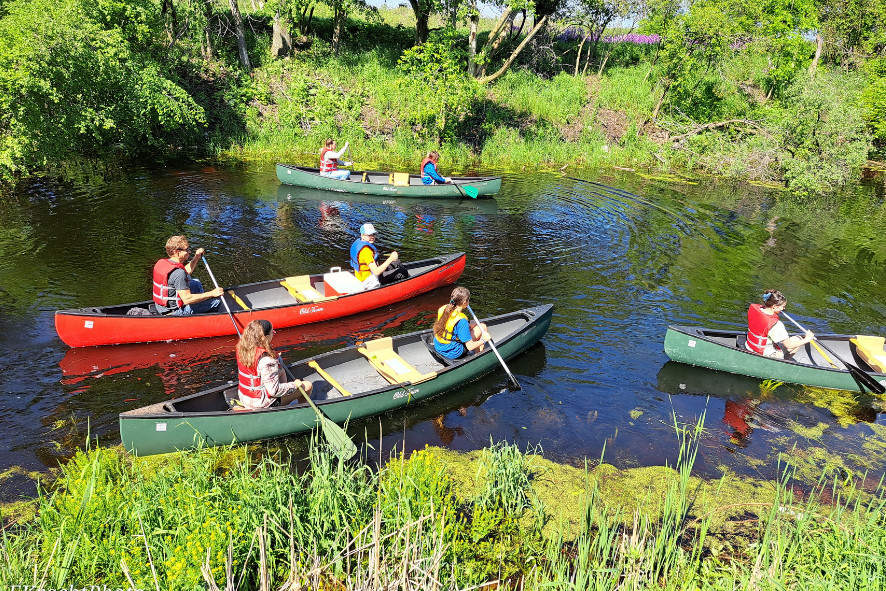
(777, 334)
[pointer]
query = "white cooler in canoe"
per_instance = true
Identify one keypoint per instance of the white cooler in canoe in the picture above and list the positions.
(340, 282)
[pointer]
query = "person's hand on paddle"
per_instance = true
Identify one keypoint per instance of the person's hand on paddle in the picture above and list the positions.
(392, 257)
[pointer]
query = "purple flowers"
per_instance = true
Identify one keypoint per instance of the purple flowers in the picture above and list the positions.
(573, 33)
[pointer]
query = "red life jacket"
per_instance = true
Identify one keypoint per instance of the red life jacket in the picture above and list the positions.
(327, 165)
(162, 269)
(422, 167)
(759, 325)
(250, 382)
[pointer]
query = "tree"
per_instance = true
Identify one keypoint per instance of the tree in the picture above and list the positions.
(693, 42)
(80, 79)
(593, 17)
(341, 9)
(434, 70)
(853, 30)
(780, 29)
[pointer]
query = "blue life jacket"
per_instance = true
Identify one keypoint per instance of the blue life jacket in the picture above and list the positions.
(356, 247)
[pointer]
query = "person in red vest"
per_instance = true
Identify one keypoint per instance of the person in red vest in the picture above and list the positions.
(765, 330)
(175, 291)
(429, 174)
(262, 379)
(329, 161)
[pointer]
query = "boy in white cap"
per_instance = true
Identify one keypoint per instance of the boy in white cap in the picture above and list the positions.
(364, 255)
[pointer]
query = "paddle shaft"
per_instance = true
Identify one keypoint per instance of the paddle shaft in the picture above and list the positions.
(861, 378)
(497, 354)
(215, 283)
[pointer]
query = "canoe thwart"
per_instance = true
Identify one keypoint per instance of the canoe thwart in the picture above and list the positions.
(237, 299)
(301, 289)
(871, 350)
(332, 381)
(392, 367)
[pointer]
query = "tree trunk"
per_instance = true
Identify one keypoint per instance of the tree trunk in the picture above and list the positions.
(661, 100)
(241, 36)
(504, 68)
(495, 38)
(578, 57)
(472, 39)
(819, 44)
(422, 10)
(338, 26)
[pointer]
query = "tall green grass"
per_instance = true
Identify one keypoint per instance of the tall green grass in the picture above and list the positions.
(236, 519)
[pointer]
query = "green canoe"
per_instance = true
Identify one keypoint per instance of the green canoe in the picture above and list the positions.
(379, 184)
(349, 384)
(724, 350)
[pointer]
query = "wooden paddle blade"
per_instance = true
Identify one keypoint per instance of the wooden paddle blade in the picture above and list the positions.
(471, 191)
(342, 445)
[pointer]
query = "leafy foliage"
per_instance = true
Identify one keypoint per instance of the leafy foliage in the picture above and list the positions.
(70, 83)
(435, 72)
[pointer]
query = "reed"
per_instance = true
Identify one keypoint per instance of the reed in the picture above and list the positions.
(245, 519)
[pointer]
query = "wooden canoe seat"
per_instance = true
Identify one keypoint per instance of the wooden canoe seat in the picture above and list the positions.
(390, 365)
(301, 289)
(331, 380)
(399, 179)
(871, 350)
(237, 299)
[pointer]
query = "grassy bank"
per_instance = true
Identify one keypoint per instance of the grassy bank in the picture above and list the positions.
(437, 520)
(172, 85)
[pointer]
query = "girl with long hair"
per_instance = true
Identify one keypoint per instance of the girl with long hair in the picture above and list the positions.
(261, 377)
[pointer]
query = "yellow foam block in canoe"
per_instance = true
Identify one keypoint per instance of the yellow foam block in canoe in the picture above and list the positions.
(390, 365)
(871, 350)
(237, 299)
(301, 289)
(399, 179)
(332, 381)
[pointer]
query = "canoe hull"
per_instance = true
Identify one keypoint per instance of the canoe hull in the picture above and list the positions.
(708, 348)
(168, 427)
(86, 327)
(378, 184)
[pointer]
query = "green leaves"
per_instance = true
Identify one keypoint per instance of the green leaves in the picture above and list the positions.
(437, 67)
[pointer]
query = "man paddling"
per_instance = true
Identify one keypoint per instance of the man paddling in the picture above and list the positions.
(364, 258)
(175, 291)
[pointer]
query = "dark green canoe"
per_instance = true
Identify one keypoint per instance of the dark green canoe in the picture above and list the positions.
(724, 350)
(379, 184)
(347, 386)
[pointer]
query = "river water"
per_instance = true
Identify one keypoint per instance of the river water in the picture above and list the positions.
(620, 255)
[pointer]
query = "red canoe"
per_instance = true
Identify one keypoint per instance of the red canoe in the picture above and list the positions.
(285, 302)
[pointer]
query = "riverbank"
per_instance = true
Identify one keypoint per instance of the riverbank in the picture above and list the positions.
(177, 89)
(438, 520)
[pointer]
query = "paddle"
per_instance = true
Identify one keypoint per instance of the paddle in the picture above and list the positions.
(341, 444)
(861, 378)
(497, 354)
(467, 190)
(335, 435)
(215, 283)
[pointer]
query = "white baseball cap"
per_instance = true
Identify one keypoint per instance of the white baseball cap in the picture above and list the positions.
(367, 229)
